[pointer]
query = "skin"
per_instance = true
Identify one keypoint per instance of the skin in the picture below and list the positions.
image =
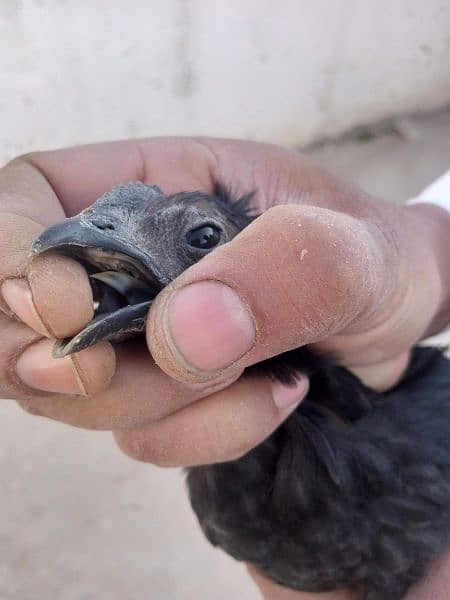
(325, 264)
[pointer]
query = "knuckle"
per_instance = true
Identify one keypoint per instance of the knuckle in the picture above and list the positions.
(130, 445)
(30, 407)
(27, 158)
(142, 448)
(19, 159)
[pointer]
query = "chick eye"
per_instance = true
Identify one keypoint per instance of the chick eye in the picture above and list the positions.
(204, 237)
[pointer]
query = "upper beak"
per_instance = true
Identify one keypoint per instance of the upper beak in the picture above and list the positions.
(70, 232)
(76, 236)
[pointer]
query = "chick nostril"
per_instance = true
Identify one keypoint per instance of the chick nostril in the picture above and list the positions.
(102, 225)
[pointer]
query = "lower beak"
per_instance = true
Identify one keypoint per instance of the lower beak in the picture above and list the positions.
(118, 325)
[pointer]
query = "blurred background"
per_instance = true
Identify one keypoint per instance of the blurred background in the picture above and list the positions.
(363, 87)
(291, 72)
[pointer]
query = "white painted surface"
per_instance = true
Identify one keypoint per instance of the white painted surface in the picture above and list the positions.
(288, 71)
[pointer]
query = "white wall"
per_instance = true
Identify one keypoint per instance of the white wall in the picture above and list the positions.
(286, 71)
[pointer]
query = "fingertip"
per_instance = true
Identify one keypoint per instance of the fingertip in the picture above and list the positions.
(287, 397)
(84, 373)
(37, 369)
(17, 295)
(209, 325)
(61, 294)
(198, 332)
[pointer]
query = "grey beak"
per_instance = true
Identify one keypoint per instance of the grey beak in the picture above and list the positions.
(68, 233)
(75, 236)
(92, 241)
(121, 324)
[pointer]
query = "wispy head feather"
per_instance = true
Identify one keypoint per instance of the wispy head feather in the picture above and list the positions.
(241, 211)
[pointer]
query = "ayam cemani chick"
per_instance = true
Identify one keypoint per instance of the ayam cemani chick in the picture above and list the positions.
(353, 489)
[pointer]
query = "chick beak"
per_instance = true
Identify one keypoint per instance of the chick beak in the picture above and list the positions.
(124, 280)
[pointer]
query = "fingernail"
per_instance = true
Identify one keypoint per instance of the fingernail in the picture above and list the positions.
(285, 397)
(38, 369)
(17, 295)
(208, 325)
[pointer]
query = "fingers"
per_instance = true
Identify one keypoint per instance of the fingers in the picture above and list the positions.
(296, 275)
(86, 389)
(15, 338)
(221, 427)
(275, 269)
(52, 294)
(53, 297)
(56, 299)
(27, 370)
(61, 294)
(16, 235)
(139, 398)
(85, 373)
(25, 191)
(35, 188)
(40, 184)
(80, 175)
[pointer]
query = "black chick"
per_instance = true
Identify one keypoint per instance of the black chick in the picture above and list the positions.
(353, 489)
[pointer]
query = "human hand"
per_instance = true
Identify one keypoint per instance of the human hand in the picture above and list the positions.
(371, 283)
(327, 265)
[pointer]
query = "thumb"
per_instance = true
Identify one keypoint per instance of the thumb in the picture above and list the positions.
(296, 275)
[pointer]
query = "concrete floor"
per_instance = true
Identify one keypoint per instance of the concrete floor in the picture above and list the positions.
(82, 522)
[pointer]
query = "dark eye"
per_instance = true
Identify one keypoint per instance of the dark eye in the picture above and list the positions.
(204, 237)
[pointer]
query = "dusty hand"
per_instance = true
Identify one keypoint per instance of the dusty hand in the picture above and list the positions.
(325, 264)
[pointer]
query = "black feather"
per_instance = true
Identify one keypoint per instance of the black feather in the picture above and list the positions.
(241, 212)
(362, 502)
